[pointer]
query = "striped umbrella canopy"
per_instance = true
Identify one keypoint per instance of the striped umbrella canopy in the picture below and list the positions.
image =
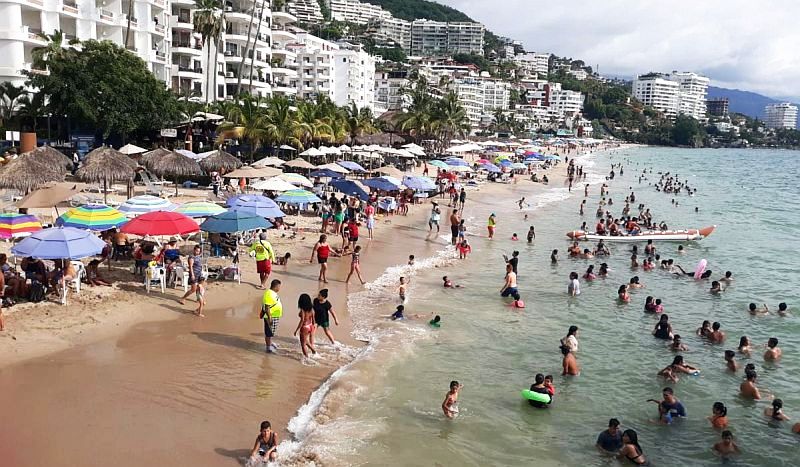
(143, 204)
(200, 209)
(438, 163)
(95, 217)
(255, 204)
(455, 161)
(298, 197)
(489, 167)
(13, 225)
(296, 179)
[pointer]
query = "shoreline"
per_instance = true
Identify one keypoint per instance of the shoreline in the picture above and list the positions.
(303, 379)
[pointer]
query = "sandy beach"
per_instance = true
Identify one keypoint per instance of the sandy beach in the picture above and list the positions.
(128, 375)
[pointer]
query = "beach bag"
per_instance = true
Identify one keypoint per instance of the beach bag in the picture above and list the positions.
(37, 293)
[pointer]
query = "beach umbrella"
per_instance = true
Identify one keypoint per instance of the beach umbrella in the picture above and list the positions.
(143, 204)
(95, 217)
(273, 184)
(221, 161)
(296, 179)
(268, 161)
(59, 243)
(199, 209)
(300, 164)
(350, 187)
(252, 172)
(234, 221)
(455, 161)
(52, 157)
(298, 197)
(385, 183)
(352, 166)
(171, 164)
(325, 173)
(404, 153)
(552, 157)
(390, 170)
(190, 154)
(461, 168)
(160, 223)
(255, 204)
(25, 174)
(345, 148)
(49, 196)
(106, 165)
(419, 183)
(286, 147)
(504, 163)
(312, 152)
(129, 149)
(483, 161)
(13, 225)
(335, 168)
(439, 164)
(518, 166)
(490, 168)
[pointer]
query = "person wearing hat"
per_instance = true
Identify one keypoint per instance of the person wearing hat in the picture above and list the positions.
(265, 255)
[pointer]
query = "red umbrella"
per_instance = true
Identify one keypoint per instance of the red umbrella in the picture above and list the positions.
(160, 223)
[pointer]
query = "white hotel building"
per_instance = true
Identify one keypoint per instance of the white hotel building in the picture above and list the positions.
(673, 94)
(354, 11)
(783, 115)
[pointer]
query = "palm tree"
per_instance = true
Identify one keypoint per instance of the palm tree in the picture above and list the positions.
(54, 47)
(247, 47)
(31, 106)
(258, 31)
(281, 125)
(358, 121)
(314, 120)
(209, 20)
(450, 118)
(251, 118)
(10, 97)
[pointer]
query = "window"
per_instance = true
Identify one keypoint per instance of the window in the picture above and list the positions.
(344, 59)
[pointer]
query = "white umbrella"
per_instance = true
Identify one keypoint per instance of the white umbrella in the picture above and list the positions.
(296, 179)
(273, 184)
(334, 167)
(300, 164)
(460, 168)
(287, 147)
(410, 146)
(129, 149)
(268, 161)
(457, 149)
(202, 155)
(201, 116)
(330, 150)
(405, 153)
(344, 148)
(312, 152)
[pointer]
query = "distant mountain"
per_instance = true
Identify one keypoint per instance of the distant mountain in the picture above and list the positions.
(744, 102)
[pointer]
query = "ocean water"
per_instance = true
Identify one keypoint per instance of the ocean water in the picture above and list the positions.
(384, 408)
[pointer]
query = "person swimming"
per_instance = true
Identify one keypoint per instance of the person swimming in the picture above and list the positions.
(663, 329)
(436, 322)
(448, 284)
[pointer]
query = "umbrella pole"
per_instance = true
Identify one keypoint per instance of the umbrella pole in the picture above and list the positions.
(176, 185)
(105, 192)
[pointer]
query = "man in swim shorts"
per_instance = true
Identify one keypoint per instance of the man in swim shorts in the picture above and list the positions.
(322, 312)
(454, 222)
(510, 286)
(610, 440)
(271, 312)
(450, 404)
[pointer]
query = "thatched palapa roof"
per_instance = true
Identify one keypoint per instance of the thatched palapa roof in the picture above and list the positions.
(220, 160)
(106, 165)
(164, 162)
(51, 156)
(26, 173)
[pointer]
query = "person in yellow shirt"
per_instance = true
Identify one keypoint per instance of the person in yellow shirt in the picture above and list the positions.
(271, 312)
(491, 224)
(265, 255)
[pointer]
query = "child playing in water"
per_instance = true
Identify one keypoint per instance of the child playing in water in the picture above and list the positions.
(355, 265)
(531, 234)
(548, 384)
(200, 292)
(448, 284)
(554, 256)
(464, 249)
(450, 404)
(410, 260)
(401, 290)
(514, 237)
(730, 363)
(726, 448)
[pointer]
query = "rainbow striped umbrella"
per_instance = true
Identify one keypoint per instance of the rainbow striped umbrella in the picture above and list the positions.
(200, 209)
(95, 217)
(143, 204)
(13, 225)
(298, 197)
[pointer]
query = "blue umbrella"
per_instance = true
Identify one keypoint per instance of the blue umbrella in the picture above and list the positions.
(352, 166)
(325, 173)
(383, 183)
(350, 187)
(551, 157)
(505, 162)
(298, 197)
(491, 168)
(456, 161)
(60, 243)
(419, 183)
(234, 221)
(257, 205)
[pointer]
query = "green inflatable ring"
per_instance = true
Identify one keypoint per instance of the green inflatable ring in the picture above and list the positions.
(536, 396)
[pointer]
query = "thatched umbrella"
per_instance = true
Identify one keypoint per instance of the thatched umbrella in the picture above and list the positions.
(221, 161)
(172, 164)
(154, 155)
(51, 156)
(106, 165)
(27, 173)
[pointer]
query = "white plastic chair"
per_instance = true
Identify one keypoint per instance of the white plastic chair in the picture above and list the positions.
(156, 274)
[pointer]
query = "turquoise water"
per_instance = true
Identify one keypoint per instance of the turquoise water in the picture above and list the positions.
(385, 409)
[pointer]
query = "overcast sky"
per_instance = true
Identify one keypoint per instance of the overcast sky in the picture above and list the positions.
(753, 46)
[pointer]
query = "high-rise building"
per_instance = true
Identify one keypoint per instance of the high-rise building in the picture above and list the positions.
(391, 30)
(657, 92)
(353, 11)
(314, 59)
(481, 96)
(533, 63)
(439, 38)
(354, 76)
(306, 11)
(563, 102)
(388, 90)
(691, 93)
(717, 106)
(783, 115)
(23, 21)
(284, 60)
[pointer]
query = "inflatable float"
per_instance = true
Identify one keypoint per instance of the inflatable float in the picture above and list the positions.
(535, 396)
(655, 235)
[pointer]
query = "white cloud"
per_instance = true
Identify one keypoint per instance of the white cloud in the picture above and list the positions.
(741, 44)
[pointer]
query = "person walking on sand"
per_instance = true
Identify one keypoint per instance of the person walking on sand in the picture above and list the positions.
(323, 310)
(195, 272)
(323, 251)
(201, 296)
(271, 312)
(306, 324)
(491, 225)
(436, 215)
(462, 198)
(355, 265)
(265, 256)
(369, 212)
(450, 404)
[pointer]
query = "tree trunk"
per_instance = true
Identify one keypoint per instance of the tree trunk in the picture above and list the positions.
(128, 27)
(216, 73)
(258, 31)
(244, 54)
(208, 65)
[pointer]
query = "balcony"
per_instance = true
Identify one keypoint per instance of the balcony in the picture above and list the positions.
(35, 2)
(159, 29)
(69, 6)
(195, 73)
(281, 33)
(283, 17)
(30, 34)
(182, 21)
(105, 15)
(29, 68)
(158, 56)
(158, 3)
(186, 48)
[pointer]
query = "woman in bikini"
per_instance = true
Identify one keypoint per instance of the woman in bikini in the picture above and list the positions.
(355, 265)
(306, 324)
(631, 449)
